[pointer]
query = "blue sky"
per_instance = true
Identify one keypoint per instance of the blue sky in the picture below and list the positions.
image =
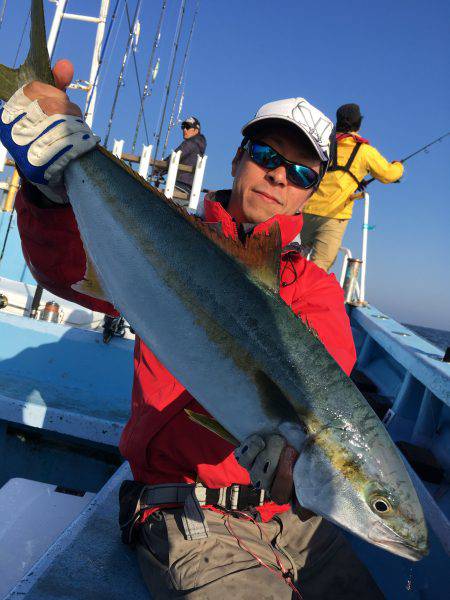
(390, 57)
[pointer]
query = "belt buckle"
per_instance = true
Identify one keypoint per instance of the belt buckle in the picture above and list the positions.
(200, 493)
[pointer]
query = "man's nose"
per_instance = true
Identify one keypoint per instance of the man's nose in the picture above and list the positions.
(277, 176)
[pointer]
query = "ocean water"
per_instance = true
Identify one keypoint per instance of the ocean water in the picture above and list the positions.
(438, 337)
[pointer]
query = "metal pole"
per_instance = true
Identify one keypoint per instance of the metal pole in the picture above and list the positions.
(56, 24)
(351, 279)
(13, 187)
(93, 79)
(364, 247)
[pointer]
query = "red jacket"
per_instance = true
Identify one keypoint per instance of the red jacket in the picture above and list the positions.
(160, 442)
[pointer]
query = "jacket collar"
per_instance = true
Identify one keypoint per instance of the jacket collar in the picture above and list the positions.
(352, 134)
(215, 212)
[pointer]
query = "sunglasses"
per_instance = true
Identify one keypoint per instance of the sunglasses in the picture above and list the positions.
(188, 127)
(265, 156)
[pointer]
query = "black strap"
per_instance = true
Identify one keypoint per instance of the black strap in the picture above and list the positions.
(248, 497)
(348, 164)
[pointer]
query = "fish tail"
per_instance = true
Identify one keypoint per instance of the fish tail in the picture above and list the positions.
(37, 63)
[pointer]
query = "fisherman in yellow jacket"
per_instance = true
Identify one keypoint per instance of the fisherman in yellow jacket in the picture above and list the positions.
(328, 211)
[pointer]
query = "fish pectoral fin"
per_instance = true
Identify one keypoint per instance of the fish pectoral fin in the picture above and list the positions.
(90, 284)
(212, 425)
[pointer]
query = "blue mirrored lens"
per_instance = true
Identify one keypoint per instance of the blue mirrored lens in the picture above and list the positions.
(301, 175)
(265, 156)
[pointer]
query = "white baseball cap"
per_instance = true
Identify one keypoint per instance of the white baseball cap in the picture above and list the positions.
(299, 112)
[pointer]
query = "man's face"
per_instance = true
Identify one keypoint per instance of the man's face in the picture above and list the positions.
(188, 133)
(258, 193)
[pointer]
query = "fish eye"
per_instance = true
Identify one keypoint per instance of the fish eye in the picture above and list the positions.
(381, 505)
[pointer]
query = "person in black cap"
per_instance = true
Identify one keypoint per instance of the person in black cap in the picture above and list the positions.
(193, 144)
(328, 211)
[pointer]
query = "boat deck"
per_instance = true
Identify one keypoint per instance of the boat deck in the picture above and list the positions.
(51, 370)
(64, 379)
(88, 561)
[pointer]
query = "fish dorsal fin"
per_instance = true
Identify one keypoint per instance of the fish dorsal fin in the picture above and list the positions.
(37, 63)
(259, 254)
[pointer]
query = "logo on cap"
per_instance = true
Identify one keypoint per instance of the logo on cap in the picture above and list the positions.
(319, 128)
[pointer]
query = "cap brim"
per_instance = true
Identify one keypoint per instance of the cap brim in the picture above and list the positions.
(314, 143)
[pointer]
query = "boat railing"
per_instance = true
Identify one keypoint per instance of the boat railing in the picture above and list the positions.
(348, 272)
(171, 166)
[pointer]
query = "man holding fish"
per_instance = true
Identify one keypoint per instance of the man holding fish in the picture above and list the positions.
(250, 538)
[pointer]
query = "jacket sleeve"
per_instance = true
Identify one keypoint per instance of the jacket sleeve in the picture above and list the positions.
(320, 304)
(380, 168)
(52, 247)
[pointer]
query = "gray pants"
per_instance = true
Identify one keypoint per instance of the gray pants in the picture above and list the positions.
(321, 562)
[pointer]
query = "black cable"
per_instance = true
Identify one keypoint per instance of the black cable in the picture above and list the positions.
(21, 38)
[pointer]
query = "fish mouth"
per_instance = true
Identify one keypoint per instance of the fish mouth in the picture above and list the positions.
(389, 540)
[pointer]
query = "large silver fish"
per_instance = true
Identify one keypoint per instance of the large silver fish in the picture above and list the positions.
(210, 310)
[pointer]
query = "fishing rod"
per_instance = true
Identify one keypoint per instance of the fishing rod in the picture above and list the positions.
(2, 13)
(364, 184)
(150, 77)
(122, 69)
(176, 43)
(136, 71)
(180, 81)
(102, 55)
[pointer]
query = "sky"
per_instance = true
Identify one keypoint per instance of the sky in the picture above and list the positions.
(392, 58)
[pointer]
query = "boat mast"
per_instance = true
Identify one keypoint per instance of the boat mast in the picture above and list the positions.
(152, 72)
(181, 81)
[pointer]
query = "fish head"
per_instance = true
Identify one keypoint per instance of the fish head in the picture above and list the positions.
(369, 494)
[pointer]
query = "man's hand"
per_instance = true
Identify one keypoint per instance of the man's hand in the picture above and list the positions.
(43, 131)
(270, 462)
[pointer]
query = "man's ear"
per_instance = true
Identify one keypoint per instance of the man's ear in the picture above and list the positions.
(236, 160)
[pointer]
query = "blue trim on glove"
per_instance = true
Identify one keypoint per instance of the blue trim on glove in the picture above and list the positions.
(33, 173)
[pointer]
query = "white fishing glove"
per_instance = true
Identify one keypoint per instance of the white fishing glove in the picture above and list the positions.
(43, 145)
(260, 456)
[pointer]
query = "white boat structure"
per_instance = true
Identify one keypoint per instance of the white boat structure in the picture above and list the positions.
(64, 399)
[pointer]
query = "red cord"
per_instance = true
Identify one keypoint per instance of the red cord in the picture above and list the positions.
(284, 576)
